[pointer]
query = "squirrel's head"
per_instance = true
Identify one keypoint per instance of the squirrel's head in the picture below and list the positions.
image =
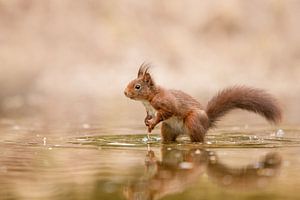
(143, 86)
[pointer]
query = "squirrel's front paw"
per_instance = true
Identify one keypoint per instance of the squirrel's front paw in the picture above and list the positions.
(151, 124)
(147, 120)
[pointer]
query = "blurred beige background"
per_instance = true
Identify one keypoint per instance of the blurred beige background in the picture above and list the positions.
(70, 60)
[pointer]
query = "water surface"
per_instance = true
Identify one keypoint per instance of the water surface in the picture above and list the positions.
(87, 162)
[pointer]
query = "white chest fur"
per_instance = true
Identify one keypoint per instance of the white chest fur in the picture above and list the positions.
(174, 122)
(149, 108)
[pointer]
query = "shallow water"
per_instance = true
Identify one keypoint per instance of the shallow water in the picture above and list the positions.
(86, 162)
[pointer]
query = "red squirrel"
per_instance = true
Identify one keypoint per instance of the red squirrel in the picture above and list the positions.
(182, 114)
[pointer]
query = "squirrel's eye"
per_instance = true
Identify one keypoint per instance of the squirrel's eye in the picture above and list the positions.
(137, 87)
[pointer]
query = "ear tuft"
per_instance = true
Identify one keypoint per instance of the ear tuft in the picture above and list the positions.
(144, 68)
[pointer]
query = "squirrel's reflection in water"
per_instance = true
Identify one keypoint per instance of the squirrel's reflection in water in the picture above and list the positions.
(179, 168)
(252, 176)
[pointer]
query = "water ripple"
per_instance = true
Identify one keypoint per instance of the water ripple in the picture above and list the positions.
(266, 139)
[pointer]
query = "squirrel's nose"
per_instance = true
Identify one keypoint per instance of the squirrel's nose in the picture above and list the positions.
(125, 92)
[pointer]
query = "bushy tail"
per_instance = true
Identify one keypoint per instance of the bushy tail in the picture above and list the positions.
(250, 99)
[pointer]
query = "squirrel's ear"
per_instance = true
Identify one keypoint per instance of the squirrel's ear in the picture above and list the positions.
(148, 79)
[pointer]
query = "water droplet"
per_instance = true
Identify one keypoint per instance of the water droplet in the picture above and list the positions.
(197, 151)
(251, 138)
(186, 165)
(50, 148)
(145, 139)
(279, 133)
(81, 139)
(120, 144)
(213, 159)
(273, 134)
(86, 126)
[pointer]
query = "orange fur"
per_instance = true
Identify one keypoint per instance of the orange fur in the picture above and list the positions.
(182, 114)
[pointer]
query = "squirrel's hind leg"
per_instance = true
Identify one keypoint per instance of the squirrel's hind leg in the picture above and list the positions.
(197, 125)
(168, 133)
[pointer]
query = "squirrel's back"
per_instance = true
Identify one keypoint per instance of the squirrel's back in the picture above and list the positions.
(185, 101)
